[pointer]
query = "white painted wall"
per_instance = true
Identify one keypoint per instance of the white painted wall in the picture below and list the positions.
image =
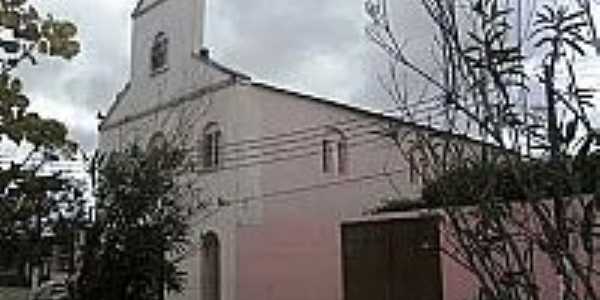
(281, 247)
(181, 21)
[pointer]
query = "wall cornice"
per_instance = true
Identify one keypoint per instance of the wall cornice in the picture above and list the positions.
(194, 95)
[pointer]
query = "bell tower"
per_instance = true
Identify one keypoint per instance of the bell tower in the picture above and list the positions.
(180, 26)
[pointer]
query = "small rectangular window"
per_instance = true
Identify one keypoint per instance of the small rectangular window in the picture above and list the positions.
(342, 157)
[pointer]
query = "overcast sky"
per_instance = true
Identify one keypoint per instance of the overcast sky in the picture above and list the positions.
(314, 46)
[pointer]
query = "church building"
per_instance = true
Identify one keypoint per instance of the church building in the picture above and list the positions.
(279, 173)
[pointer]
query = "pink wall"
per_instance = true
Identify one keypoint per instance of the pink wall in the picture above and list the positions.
(289, 260)
(459, 284)
(295, 252)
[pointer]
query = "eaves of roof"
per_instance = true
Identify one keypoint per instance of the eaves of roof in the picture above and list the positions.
(235, 76)
(363, 111)
(239, 77)
(114, 105)
(220, 67)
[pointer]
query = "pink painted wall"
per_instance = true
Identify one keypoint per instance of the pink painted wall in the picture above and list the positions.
(295, 253)
(459, 284)
(296, 265)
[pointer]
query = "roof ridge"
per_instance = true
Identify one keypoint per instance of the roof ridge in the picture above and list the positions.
(205, 58)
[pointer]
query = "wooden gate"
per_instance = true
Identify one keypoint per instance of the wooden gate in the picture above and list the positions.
(392, 260)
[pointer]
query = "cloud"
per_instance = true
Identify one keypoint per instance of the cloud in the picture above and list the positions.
(73, 91)
(309, 45)
(313, 46)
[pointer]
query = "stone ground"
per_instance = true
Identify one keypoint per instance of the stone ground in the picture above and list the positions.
(13, 294)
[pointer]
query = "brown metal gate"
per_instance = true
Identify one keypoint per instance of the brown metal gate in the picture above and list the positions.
(392, 260)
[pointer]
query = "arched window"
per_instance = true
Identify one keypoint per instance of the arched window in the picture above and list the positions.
(335, 152)
(157, 142)
(211, 267)
(159, 52)
(211, 146)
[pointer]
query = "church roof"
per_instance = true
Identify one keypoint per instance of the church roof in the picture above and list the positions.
(204, 57)
(234, 75)
(369, 112)
(240, 77)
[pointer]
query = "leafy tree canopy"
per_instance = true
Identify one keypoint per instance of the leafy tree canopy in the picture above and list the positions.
(132, 248)
(24, 192)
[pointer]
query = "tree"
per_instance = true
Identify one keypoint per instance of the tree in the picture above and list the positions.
(23, 203)
(532, 161)
(35, 203)
(30, 35)
(132, 248)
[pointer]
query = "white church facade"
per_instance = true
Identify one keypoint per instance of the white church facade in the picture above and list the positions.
(278, 172)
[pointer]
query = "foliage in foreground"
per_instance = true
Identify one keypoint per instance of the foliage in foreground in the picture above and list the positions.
(29, 35)
(508, 77)
(470, 184)
(132, 247)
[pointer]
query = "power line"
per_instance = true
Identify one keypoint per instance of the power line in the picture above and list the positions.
(286, 192)
(317, 130)
(315, 134)
(304, 154)
(290, 146)
(287, 142)
(251, 160)
(253, 157)
(303, 189)
(272, 196)
(297, 190)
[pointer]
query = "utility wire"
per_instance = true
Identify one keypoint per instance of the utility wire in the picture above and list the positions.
(308, 188)
(253, 158)
(296, 145)
(317, 130)
(318, 151)
(226, 153)
(271, 196)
